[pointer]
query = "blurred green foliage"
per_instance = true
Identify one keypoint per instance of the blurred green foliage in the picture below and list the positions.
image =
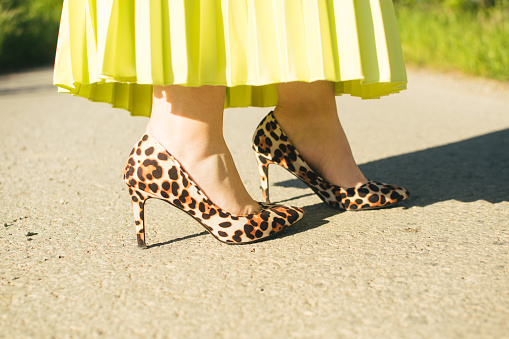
(28, 33)
(470, 36)
(473, 5)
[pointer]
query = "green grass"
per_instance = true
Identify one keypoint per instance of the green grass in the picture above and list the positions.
(472, 41)
(28, 33)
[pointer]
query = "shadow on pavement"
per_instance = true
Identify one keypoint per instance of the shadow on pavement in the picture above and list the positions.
(176, 240)
(27, 89)
(468, 170)
(315, 216)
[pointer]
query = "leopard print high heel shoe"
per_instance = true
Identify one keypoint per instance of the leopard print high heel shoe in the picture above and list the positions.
(272, 146)
(152, 172)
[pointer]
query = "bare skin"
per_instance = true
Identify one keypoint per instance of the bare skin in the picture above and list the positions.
(188, 122)
(307, 113)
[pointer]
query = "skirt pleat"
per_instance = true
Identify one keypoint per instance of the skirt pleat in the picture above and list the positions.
(114, 51)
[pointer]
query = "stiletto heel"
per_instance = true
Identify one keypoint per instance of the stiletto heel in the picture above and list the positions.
(152, 172)
(272, 146)
(138, 200)
(263, 168)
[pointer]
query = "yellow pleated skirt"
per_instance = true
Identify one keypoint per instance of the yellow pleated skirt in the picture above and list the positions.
(114, 51)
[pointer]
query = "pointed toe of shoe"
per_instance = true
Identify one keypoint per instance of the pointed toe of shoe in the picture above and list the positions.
(373, 195)
(284, 216)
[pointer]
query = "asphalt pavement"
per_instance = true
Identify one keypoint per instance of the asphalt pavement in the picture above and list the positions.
(436, 266)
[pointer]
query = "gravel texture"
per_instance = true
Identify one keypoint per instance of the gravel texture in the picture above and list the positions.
(437, 266)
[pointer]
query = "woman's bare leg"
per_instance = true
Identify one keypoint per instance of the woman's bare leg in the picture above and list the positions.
(188, 122)
(307, 113)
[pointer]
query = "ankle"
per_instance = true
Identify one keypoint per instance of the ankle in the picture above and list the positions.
(321, 141)
(306, 130)
(210, 164)
(187, 144)
(307, 119)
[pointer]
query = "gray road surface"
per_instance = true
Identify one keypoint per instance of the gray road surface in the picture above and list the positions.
(434, 267)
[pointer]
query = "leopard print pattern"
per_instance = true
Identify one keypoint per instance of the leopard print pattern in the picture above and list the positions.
(271, 146)
(152, 172)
